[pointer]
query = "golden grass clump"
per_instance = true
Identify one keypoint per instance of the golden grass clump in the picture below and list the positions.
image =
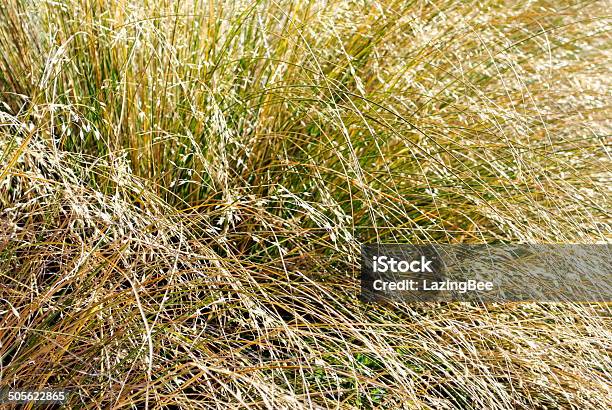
(184, 187)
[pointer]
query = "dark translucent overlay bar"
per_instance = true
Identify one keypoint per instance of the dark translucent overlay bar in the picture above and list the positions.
(486, 273)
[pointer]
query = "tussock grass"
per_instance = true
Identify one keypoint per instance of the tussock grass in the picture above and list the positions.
(184, 187)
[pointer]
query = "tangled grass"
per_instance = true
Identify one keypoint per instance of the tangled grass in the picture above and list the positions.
(184, 186)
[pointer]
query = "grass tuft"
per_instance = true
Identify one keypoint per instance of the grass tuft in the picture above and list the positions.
(184, 187)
